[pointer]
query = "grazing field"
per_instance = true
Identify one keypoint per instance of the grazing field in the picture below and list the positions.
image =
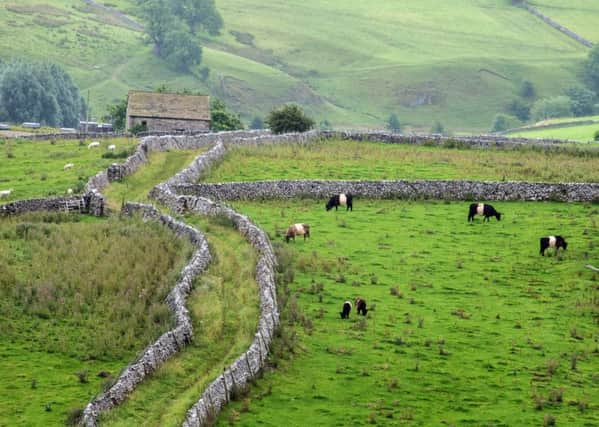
(35, 169)
(468, 324)
(358, 160)
(161, 166)
(573, 14)
(582, 133)
(224, 308)
(79, 298)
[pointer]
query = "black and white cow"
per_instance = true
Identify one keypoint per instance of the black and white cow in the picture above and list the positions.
(483, 209)
(340, 200)
(346, 309)
(552, 242)
(297, 230)
(361, 306)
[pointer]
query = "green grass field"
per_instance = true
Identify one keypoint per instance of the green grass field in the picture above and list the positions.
(352, 64)
(78, 296)
(582, 133)
(374, 161)
(35, 169)
(469, 325)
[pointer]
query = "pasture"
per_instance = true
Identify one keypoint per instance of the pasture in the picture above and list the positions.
(350, 160)
(352, 64)
(78, 296)
(582, 133)
(468, 324)
(35, 169)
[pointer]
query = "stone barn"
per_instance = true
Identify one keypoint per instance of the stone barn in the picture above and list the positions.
(168, 112)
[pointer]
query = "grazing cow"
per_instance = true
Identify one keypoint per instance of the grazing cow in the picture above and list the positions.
(111, 147)
(346, 309)
(68, 166)
(297, 230)
(5, 193)
(340, 200)
(93, 144)
(361, 306)
(553, 242)
(483, 209)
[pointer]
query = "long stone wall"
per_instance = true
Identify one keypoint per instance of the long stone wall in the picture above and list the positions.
(556, 25)
(170, 342)
(400, 189)
(249, 365)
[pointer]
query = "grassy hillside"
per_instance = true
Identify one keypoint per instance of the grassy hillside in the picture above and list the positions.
(583, 133)
(350, 63)
(573, 14)
(468, 324)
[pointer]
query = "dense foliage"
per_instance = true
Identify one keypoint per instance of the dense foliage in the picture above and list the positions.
(221, 118)
(172, 27)
(582, 101)
(39, 92)
(117, 114)
(546, 108)
(503, 122)
(289, 118)
(592, 69)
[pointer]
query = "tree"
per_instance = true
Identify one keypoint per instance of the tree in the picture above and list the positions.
(221, 118)
(557, 106)
(39, 92)
(289, 118)
(582, 101)
(519, 108)
(503, 122)
(160, 20)
(591, 69)
(199, 14)
(438, 128)
(527, 90)
(257, 123)
(181, 50)
(393, 123)
(596, 137)
(117, 114)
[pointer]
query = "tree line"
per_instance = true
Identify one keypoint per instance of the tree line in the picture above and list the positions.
(39, 92)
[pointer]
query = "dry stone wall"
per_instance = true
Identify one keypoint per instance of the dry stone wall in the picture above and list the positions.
(170, 342)
(250, 364)
(556, 25)
(400, 189)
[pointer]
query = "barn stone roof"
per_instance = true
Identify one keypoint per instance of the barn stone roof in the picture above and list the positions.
(168, 105)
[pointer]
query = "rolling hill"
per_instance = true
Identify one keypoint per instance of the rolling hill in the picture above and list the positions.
(352, 64)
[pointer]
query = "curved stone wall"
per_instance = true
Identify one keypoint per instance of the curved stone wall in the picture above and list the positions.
(170, 342)
(400, 189)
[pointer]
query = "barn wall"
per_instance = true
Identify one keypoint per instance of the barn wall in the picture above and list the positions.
(166, 125)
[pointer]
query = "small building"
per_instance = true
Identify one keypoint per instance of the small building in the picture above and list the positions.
(91, 127)
(168, 112)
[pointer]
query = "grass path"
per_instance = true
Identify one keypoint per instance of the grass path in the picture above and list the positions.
(224, 308)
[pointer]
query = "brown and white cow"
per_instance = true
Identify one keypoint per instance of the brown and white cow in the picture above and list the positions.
(297, 230)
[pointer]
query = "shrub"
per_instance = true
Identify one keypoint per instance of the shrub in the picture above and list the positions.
(503, 122)
(596, 136)
(289, 118)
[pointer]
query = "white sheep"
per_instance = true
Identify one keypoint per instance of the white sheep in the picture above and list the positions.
(5, 193)
(111, 147)
(70, 191)
(93, 144)
(68, 166)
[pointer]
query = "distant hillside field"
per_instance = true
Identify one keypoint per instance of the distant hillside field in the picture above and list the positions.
(351, 63)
